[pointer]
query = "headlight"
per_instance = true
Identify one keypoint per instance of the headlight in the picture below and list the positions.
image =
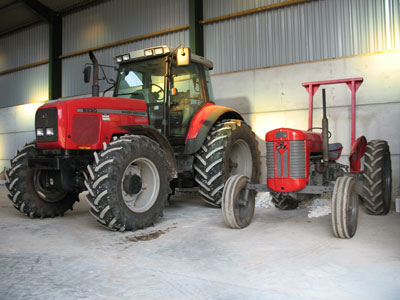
(119, 59)
(39, 132)
(49, 131)
(126, 57)
(158, 51)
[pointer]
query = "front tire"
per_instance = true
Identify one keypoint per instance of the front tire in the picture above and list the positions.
(237, 202)
(377, 182)
(344, 208)
(27, 192)
(129, 183)
(230, 148)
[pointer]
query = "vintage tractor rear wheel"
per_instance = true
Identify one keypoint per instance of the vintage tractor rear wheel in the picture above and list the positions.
(27, 191)
(344, 208)
(230, 148)
(128, 184)
(284, 202)
(237, 202)
(377, 182)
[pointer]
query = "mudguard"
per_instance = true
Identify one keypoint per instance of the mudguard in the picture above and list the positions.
(155, 135)
(203, 121)
(357, 152)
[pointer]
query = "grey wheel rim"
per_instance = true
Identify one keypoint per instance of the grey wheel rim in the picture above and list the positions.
(352, 213)
(240, 159)
(145, 192)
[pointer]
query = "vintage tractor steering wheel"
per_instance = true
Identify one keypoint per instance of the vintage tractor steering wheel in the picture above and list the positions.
(320, 128)
(160, 89)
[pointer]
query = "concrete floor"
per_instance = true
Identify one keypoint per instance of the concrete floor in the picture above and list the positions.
(193, 255)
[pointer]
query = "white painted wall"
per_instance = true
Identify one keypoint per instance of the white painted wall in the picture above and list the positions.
(274, 97)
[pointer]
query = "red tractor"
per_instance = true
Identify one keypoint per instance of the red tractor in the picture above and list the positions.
(160, 132)
(302, 164)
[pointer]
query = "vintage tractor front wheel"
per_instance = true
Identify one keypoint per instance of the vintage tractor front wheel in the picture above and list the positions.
(344, 208)
(28, 191)
(377, 182)
(237, 202)
(230, 148)
(128, 184)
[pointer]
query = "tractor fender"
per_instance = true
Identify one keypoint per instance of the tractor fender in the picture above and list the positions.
(357, 152)
(203, 121)
(155, 135)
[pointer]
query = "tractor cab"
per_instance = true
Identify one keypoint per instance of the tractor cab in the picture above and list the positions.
(173, 91)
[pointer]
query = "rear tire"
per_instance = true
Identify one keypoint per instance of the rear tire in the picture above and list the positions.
(237, 202)
(284, 202)
(344, 208)
(230, 148)
(27, 193)
(128, 184)
(377, 182)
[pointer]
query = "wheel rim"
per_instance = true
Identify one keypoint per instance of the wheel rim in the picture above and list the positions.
(44, 193)
(244, 205)
(352, 213)
(240, 159)
(140, 185)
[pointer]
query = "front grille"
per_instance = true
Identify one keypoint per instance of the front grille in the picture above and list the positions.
(85, 129)
(293, 160)
(270, 160)
(47, 118)
(297, 159)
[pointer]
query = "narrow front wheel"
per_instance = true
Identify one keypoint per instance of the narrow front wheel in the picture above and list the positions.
(237, 202)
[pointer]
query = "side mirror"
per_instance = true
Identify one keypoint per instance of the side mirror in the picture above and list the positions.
(183, 56)
(86, 74)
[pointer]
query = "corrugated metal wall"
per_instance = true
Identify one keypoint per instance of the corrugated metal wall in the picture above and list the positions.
(113, 21)
(311, 31)
(24, 47)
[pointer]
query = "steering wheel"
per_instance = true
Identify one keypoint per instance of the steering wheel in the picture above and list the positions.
(160, 90)
(329, 133)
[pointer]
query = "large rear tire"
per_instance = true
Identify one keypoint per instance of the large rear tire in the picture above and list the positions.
(344, 208)
(377, 182)
(237, 202)
(230, 148)
(128, 184)
(27, 192)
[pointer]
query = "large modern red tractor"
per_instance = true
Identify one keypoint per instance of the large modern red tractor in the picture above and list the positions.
(161, 131)
(302, 164)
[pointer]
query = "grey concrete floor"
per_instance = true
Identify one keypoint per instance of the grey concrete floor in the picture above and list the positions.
(193, 255)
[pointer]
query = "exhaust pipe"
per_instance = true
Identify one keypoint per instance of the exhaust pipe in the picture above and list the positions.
(325, 130)
(95, 86)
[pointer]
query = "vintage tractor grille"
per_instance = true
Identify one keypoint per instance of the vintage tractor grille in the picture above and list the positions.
(293, 159)
(297, 159)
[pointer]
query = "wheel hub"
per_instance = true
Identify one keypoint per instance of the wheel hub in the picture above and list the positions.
(132, 184)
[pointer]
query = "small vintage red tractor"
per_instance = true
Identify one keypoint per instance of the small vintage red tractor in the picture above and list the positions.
(302, 164)
(159, 133)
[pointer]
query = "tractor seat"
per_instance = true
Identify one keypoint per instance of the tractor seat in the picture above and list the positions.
(334, 151)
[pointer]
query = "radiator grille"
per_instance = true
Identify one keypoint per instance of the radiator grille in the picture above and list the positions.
(297, 159)
(270, 160)
(85, 129)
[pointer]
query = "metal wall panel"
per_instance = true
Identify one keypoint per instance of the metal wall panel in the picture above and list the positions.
(24, 47)
(72, 77)
(311, 31)
(120, 19)
(26, 86)
(213, 8)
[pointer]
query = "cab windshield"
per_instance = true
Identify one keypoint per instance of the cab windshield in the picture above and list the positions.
(145, 80)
